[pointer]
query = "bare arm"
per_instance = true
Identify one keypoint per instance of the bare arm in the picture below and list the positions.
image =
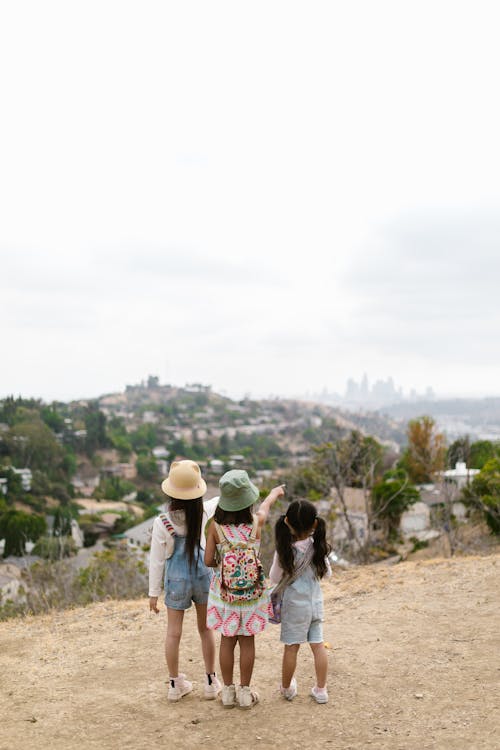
(211, 547)
(267, 504)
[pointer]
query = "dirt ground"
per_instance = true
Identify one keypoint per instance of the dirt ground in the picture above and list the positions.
(413, 664)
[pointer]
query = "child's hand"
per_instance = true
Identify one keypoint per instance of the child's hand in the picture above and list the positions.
(153, 601)
(277, 492)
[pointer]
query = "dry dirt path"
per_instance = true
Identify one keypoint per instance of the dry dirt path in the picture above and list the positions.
(413, 664)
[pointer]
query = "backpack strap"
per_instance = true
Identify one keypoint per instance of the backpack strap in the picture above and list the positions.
(167, 523)
(220, 534)
(255, 528)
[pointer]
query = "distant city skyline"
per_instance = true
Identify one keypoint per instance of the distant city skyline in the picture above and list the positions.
(375, 392)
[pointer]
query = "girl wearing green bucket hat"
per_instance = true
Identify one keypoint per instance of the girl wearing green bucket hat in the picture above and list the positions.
(238, 616)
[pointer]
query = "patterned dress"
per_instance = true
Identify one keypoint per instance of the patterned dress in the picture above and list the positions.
(236, 618)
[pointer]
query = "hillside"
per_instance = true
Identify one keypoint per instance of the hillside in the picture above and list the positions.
(411, 666)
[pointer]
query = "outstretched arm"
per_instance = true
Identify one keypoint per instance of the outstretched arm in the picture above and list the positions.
(269, 501)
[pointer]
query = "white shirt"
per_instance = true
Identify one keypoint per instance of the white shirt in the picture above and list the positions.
(162, 543)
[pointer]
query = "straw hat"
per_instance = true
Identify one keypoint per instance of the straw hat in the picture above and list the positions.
(184, 481)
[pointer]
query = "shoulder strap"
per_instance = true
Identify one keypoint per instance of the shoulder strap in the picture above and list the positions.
(289, 578)
(167, 523)
(255, 528)
(222, 537)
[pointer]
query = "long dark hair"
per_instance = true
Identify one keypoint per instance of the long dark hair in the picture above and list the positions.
(301, 515)
(235, 517)
(193, 512)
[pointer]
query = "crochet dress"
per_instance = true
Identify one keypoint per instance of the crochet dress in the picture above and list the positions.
(236, 618)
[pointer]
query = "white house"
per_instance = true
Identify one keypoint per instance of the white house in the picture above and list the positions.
(160, 452)
(461, 475)
(140, 535)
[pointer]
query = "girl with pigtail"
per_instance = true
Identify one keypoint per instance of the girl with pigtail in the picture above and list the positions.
(300, 561)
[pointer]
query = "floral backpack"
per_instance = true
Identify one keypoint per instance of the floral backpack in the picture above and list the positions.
(241, 574)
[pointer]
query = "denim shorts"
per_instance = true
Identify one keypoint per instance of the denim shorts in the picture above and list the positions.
(180, 592)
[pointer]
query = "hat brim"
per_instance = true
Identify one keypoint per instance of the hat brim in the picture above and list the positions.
(193, 493)
(243, 500)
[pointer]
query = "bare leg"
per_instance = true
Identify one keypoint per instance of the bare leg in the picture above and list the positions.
(289, 664)
(172, 642)
(226, 657)
(247, 658)
(207, 638)
(320, 663)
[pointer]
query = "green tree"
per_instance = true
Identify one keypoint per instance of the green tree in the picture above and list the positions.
(95, 425)
(52, 418)
(113, 488)
(391, 496)
(17, 528)
(14, 484)
(459, 450)
(63, 517)
(144, 438)
(147, 468)
(32, 444)
(482, 451)
(425, 455)
(484, 493)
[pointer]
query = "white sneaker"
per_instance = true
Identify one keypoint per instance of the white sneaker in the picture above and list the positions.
(212, 687)
(290, 692)
(179, 687)
(320, 695)
(247, 698)
(228, 696)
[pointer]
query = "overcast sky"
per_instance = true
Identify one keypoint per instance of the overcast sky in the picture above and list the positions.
(268, 197)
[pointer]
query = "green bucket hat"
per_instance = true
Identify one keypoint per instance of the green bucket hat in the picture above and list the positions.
(236, 490)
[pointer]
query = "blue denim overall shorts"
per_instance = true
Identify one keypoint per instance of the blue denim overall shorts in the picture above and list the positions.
(302, 609)
(183, 584)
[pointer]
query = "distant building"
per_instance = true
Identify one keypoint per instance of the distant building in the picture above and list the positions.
(140, 535)
(160, 451)
(416, 518)
(461, 475)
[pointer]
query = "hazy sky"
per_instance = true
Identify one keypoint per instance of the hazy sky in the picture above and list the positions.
(268, 197)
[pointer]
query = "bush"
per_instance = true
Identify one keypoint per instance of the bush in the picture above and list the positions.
(484, 494)
(54, 547)
(112, 574)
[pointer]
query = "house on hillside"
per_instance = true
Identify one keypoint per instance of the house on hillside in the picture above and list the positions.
(86, 479)
(438, 496)
(26, 477)
(460, 475)
(140, 535)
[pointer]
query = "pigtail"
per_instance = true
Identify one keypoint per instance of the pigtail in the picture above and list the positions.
(321, 548)
(284, 549)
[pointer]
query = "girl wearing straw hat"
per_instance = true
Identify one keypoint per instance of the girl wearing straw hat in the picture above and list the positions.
(176, 557)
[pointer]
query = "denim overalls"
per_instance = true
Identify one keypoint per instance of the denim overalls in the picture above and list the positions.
(302, 608)
(183, 584)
